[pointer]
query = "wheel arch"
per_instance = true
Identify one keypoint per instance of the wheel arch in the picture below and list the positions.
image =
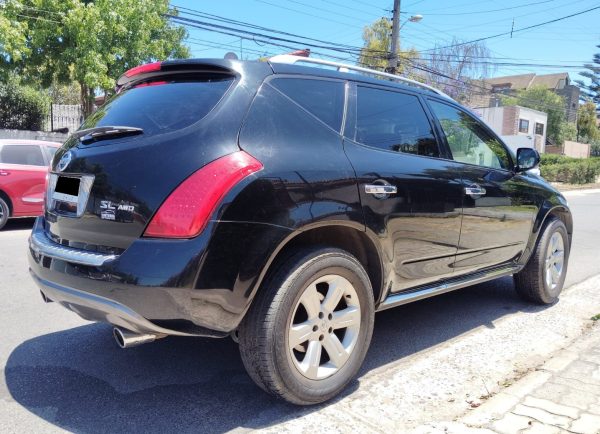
(560, 212)
(342, 236)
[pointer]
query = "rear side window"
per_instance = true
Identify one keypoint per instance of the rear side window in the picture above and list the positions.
(322, 98)
(161, 107)
(393, 121)
(30, 155)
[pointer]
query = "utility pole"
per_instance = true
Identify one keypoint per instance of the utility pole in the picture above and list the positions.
(393, 58)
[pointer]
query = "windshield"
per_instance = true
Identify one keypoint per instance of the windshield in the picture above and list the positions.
(161, 107)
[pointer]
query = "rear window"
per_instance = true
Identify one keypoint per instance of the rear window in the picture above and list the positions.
(30, 155)
(161, 107)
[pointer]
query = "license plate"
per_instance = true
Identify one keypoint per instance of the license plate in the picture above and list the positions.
(67, 190)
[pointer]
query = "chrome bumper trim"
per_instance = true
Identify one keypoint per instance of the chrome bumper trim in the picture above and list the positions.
(42, 245)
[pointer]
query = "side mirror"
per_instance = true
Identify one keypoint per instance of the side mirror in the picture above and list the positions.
(527, 158)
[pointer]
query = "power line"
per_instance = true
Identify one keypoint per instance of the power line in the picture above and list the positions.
(489, 10)
(485, 38)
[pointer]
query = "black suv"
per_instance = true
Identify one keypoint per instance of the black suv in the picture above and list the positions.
(285, 204)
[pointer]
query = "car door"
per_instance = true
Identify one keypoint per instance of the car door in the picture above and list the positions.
(410, 197)
(498, 211)
(23, 171)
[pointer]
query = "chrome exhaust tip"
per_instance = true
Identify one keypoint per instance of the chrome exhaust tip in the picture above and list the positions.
(127, 339)
(45, 298)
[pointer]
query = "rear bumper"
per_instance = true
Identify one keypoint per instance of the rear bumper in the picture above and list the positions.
(146, 289)
(96, 308)
(197, 287)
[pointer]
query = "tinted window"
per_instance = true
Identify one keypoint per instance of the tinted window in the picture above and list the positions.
(22, 154)
(468, 140)
(324, 99)
(161, 107)
(393, 121)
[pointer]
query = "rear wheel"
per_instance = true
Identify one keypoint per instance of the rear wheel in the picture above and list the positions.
(4, 212)
(542, 279)
(307, 333)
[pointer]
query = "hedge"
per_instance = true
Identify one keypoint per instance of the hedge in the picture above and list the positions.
(22, 107)
(559, 168)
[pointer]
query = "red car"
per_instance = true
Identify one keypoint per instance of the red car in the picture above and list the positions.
(23, 169)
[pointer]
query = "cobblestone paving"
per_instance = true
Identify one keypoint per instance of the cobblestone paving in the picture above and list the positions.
(563, 396)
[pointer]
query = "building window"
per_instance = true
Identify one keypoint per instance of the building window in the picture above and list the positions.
(523, 126)
(539, 129)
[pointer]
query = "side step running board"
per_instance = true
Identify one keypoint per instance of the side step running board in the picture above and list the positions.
(399, 299)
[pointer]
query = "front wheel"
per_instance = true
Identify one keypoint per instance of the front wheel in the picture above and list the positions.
(4, 212)
(308, 331)
(542, 279)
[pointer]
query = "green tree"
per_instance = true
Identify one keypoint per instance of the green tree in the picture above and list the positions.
(544, 100)
(22, 107)
(592, 73)
(376, 48)
(88, 42)
(586, 122)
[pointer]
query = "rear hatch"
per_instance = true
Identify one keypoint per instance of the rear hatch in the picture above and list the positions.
(166, 122)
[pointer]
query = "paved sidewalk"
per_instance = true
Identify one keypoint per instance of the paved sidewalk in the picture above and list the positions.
(563, 396)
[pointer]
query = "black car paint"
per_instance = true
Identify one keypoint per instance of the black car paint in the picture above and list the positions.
(311, 183)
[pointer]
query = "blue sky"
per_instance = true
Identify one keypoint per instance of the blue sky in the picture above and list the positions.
(570, 42)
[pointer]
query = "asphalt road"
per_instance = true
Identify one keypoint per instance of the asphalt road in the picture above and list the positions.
(430, 360)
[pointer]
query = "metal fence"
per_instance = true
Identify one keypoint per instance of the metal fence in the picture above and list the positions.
(64, 116)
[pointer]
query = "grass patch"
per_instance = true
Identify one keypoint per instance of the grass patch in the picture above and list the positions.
(595, 317)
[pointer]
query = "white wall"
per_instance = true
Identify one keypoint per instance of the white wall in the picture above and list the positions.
(493, 117)
(33, 135)
(533, 116)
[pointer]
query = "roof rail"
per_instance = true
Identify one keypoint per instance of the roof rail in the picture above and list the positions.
(342, 67)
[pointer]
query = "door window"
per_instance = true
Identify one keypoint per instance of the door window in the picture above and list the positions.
(322, 98)
(468, 140)
(30, 155)
(393, 121)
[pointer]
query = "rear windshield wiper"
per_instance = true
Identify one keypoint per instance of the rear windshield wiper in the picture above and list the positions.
(105, 132)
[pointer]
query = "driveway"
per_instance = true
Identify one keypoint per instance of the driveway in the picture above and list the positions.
(431, 360)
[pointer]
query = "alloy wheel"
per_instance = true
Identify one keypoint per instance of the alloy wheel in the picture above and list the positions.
(324, 327)
(555, 258)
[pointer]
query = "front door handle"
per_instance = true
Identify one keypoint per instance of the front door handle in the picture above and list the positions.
(379, 189)
(4, 173)
(475, 191)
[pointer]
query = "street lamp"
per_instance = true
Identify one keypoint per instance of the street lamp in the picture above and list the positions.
(413, 19)
(393, 62)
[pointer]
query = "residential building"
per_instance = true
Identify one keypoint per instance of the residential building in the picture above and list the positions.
(560, 83)
(518, 126)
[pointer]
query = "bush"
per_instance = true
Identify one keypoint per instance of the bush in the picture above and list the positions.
(573, 171)
(22, 107)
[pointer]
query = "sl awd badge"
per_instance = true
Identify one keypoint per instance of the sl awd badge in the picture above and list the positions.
(122, 212)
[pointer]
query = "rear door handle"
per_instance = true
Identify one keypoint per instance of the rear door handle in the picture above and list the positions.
(379, 189)
(4, 173)
(475, 191)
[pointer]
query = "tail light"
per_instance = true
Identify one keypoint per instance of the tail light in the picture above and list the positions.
(186, 211)
(143, 69)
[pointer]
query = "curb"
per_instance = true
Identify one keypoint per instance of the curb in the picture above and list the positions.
(497, 406)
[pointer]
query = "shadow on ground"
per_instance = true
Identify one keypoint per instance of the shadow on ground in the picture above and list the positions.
(18, 224)
(79, 380)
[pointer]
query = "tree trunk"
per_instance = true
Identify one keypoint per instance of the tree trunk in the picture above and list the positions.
(87, 100)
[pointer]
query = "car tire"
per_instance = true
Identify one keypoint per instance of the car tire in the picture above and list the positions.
(309, 328)
(542, 279)
(4, 212)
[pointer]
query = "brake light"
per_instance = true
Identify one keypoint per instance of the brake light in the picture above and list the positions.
(143, 69)
(186, 211)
